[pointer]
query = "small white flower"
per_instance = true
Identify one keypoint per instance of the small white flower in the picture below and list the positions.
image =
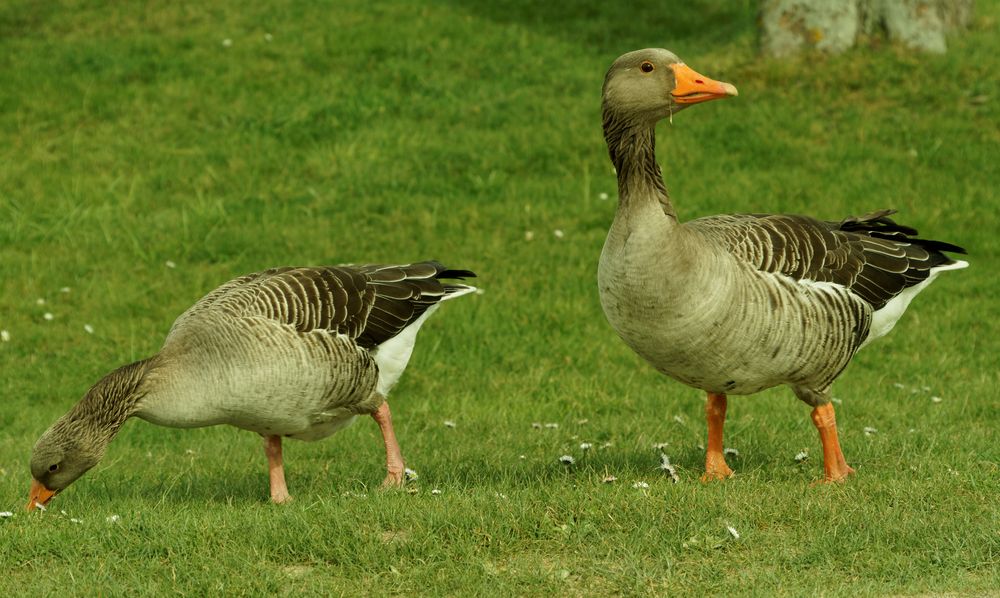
(659, 446)
(6, 514)
(40, 506)
(668, 468)
(586, 446)
(227, 43)
(731, 451)
(480, 291)
(559, 233)
(912, 430)
(529, 235)
(436, 491)
(522, 457)
(65, 290)
(536, 425)
(189, 452)
(936, 399)
(836, 400)
(567, 460)
(410, 474)
(925, 388)
(268, 37)
(732, 532)
(4, 336)
(678, 419)
(581, 422)
(606, 445)
(170, 264)
(801, 456)
(48, 316)
(75, 520)
(869, 430)
(609, 479)
(501, 495)
(88, 329)
(39, 301)
(449, 423)
(899, 385)
(552, 425)
(640, 485)
(602, 196)
(113, 519)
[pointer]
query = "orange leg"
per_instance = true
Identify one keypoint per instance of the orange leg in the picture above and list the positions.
(834, 465)
(276, 469)
(715, 461)
(393, 455)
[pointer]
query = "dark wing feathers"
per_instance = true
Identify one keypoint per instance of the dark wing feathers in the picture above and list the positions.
(872, 255)
(369, 303)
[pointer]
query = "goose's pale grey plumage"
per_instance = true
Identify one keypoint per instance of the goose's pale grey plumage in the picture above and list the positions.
(738, 303)
(295, 352)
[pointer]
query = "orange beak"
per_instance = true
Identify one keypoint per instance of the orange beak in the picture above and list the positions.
(691, 88)
(39, 495)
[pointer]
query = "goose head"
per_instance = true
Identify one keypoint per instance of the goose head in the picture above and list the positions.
(652, 84)
(61, 455)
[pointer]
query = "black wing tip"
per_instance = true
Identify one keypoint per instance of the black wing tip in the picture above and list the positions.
(445, 272)
(879, 225)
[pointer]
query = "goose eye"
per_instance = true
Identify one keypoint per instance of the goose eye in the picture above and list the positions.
(646, 67)
(54, 467)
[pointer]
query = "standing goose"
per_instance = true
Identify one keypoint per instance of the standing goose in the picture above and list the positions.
(295, 352)
(735, 304)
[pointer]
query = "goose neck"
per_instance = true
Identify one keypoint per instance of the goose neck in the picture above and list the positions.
(632, 148)
(111, 401)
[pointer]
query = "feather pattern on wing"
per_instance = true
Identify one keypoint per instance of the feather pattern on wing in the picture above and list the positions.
(871, 255)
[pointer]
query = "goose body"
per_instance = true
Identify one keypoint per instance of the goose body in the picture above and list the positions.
(734, 304)
(296, 352)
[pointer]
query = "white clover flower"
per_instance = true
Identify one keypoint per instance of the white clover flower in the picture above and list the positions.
(567, 460)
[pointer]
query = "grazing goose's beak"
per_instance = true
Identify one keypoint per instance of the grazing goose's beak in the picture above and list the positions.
(39, 494)
(691, 88)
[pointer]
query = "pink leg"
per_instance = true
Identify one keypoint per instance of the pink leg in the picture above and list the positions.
(393, 456)
(715, 460)
(276, 469)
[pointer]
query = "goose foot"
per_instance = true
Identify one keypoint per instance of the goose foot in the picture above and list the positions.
(393, 455)
(715, 461)
(276, 470)
(716, 468)
(835, 467)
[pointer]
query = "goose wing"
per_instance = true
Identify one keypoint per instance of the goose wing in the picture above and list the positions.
(871, 255)
(368, 303)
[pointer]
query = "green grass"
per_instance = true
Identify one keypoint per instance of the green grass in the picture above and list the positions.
(405, 130)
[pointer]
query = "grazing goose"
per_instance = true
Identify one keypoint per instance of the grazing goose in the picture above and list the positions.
(738, 303)
(295, 352)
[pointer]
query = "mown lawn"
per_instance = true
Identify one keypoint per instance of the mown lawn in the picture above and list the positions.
(151, 151)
